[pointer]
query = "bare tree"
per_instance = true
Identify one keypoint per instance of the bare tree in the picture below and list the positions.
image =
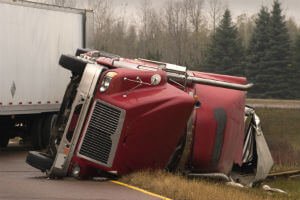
(293, 28)
(150, 32)
(131, 40)
(104, 20)
(216, 10)
(245, 25)
(176, 22)
(194, 9)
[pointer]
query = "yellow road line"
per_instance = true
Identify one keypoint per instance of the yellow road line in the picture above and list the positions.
(140, 190)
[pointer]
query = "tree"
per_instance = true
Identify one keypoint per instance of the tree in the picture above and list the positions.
(296, 67)
(215, 12)
(292, 29)
(245, 26)
(103, 20)
(177, 32)
(131, 41)
(257, 53)
(225, 53)
(278, 77)
(198, 34)
(150, 32)
(270, 61)
(194, 9)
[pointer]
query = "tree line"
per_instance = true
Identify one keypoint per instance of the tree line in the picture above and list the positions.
(264, 47)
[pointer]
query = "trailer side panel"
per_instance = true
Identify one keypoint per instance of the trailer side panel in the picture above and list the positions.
(32, 39)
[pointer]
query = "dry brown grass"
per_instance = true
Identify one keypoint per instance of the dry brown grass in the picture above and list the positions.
(181, 188)
(280, 123)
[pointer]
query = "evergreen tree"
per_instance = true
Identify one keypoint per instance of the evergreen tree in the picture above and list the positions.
(225, 53)
(278, 77)
(270, 65)
(296, 67)
(257, 53)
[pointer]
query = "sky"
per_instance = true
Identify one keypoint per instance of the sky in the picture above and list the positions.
(291, 8)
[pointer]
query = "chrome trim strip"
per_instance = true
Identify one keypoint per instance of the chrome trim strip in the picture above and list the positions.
(28, 109)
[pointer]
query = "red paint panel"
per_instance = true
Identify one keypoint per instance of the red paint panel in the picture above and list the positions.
(156, 118)
(205, 132)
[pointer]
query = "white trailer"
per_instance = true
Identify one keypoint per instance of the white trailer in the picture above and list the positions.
(32, 84)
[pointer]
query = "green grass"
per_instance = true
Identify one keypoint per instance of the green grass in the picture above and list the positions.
(280, 120)
(281, 128)
(281, 124)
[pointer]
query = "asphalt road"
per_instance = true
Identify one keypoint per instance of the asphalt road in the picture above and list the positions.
(20, 181)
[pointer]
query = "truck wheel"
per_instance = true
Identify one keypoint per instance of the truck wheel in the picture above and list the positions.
(47, 128)
(4, 139)
(39, 160)
(36, 133)
(175, 158)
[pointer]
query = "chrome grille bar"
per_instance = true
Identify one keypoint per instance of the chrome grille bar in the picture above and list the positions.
(102, 134)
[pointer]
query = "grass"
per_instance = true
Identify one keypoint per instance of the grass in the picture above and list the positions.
(282, 131)
(281, 126)
(280, 123)
(178, 187)
(292, 187)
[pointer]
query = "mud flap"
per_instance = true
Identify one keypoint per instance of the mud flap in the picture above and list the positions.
(257, 158)
(264, 157)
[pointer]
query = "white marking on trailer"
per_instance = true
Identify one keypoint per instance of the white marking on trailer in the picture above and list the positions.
(13, 89)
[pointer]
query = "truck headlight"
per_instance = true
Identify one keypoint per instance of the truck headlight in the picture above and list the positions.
(106, 81)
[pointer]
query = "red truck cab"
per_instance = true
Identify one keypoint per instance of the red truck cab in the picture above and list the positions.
(123, 115)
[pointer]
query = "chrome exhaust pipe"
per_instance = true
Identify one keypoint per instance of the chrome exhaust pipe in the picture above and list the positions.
(223, 84)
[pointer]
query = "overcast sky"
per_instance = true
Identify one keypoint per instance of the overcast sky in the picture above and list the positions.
(291, 8)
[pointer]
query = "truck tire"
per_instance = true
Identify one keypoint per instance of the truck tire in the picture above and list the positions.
(46, 129)
(4, 139)
(39, 160)
(36, 133)
(72, 63)
(175, 157)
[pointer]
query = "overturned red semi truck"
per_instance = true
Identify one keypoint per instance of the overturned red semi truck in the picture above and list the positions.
(122, 115)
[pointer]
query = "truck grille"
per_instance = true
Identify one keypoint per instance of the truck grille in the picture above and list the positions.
(102, 134)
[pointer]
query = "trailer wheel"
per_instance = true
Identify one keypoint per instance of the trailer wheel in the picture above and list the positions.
(4, 139)
(39, 160)
(47, 128)
(36, 133)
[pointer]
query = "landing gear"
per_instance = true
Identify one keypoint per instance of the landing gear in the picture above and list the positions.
(41, 130)
(4, 139)
(4, 134)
